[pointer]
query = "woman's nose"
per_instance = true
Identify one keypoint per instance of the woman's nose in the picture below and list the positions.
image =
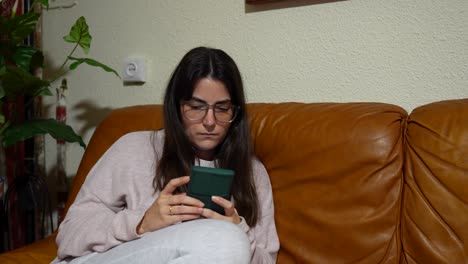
(209, 119)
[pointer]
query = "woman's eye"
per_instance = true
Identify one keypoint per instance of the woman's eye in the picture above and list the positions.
(197, 107)
(222, 108)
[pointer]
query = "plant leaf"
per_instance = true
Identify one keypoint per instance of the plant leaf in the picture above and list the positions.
(29, 129)
(91, 62)
(42, 91)
(79, 33)
(17, 81)
(7, 49)
(28, 58)
(2, 65)
(37, 60)
(43, 2)
(19, 27)
(14, 9)
(2, 91)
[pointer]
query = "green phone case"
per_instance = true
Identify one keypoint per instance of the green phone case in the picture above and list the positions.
(206, 182)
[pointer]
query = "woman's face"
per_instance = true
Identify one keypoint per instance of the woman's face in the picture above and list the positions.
(207, 133)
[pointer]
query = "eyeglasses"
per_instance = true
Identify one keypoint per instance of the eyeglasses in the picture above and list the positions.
(224, 112)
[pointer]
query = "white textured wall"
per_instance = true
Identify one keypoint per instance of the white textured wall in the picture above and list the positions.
(396, 51)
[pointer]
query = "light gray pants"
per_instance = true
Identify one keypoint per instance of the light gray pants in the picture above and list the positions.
(198, 241)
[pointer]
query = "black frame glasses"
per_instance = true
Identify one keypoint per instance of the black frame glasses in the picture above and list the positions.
(224, 112)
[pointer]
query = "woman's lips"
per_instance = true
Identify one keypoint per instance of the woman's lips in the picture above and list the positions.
(209, 135)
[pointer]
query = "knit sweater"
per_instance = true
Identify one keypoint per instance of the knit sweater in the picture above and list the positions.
(119, 189)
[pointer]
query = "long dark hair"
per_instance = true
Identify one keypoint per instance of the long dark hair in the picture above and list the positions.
(234, 153)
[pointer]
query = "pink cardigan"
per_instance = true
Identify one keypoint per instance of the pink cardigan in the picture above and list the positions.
(119, 189)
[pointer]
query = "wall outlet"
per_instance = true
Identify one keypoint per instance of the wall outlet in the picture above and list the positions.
(134, 70)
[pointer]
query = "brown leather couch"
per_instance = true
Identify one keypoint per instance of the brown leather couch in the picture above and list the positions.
(352, 182)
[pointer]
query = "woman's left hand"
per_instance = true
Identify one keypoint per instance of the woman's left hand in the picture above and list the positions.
(230, 211)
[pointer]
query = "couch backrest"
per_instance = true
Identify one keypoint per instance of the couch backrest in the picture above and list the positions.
(435, 208)
(337, 176)
(336, 172)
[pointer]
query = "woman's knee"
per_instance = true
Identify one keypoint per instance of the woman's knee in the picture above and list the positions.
(221, 239)
(206, 240)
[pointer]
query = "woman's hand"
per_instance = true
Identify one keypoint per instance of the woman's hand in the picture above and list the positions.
(169, 208)
(230, 211)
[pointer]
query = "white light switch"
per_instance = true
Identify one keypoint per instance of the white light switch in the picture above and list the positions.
(134, 70)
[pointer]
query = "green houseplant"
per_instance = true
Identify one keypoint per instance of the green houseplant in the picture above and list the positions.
(18, 63)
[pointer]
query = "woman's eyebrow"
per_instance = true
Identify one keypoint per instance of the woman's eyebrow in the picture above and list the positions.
(198, 100)
(205, 102)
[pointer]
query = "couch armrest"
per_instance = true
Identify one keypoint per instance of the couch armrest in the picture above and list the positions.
(41, 251)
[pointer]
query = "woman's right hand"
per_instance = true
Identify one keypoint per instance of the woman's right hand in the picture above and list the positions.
(169, 208)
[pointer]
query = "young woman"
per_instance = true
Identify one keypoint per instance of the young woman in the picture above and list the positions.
(133, 206)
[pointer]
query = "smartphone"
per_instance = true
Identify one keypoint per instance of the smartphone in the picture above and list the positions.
(206, 182)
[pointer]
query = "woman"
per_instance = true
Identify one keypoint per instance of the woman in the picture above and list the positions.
(133, 208)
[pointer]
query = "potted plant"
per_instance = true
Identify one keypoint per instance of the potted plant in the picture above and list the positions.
(18, 62)
(19, 83)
